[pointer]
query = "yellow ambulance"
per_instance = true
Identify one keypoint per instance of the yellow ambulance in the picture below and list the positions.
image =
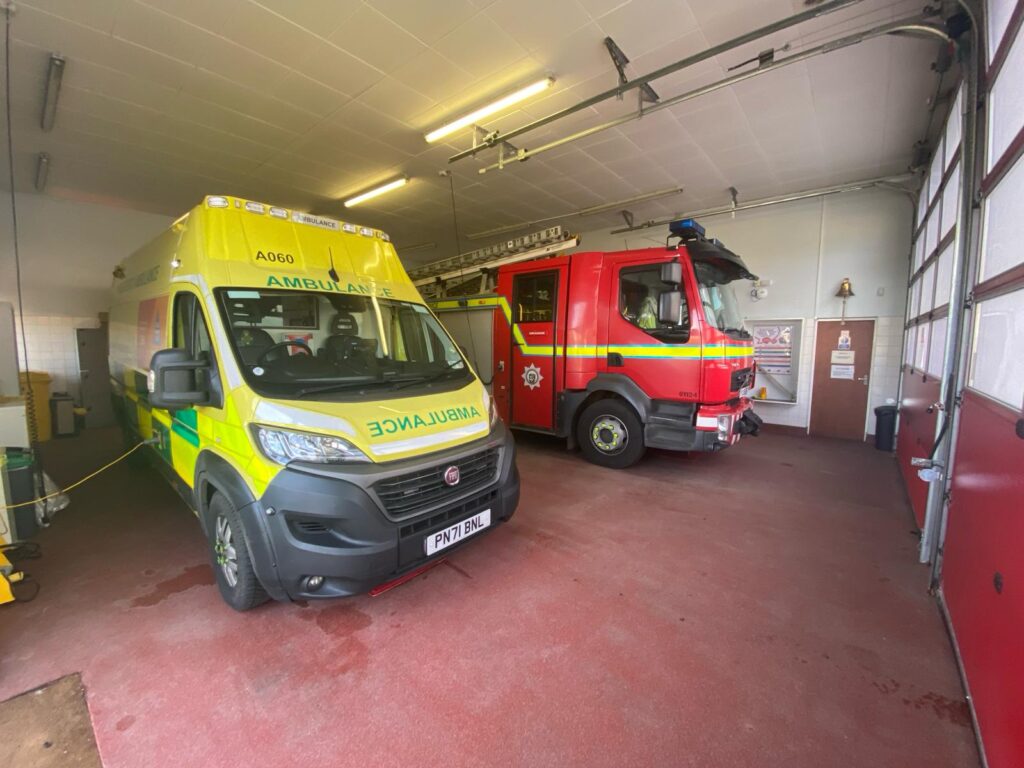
(324, 427)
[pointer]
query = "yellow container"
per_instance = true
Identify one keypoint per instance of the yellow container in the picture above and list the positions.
(39, 410)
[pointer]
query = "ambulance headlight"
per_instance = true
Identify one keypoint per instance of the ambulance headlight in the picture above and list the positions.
(492, 409)
(285, 445)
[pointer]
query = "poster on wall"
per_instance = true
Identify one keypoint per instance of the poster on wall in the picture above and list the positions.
(773, 348)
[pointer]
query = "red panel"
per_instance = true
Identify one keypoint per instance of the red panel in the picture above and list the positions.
(983, 539)
(917, 435)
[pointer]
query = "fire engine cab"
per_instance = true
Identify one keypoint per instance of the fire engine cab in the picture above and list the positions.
(627, 350)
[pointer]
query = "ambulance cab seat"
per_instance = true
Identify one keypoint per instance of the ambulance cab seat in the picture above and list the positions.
(344, 339)
(251, 343)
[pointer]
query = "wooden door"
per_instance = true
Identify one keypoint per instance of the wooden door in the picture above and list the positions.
(842, 367)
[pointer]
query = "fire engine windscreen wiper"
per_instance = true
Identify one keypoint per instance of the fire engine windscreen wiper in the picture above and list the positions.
(738, 331)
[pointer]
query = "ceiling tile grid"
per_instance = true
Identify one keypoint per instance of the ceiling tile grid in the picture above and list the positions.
(305, 102)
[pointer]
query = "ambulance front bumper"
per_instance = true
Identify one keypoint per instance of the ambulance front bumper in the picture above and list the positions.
(360, 526)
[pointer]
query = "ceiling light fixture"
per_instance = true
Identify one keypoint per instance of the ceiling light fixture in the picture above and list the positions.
(54, 76)
(42, 170)
(376, 191)
(498, 106)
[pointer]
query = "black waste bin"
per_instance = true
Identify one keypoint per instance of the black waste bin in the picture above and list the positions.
(885, 427)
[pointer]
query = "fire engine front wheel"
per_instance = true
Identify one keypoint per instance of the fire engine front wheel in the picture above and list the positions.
(610, 434)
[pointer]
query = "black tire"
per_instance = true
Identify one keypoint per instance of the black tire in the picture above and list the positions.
(610, 434)
(226, 536)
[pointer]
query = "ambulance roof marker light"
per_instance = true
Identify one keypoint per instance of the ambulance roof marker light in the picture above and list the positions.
(217, 201)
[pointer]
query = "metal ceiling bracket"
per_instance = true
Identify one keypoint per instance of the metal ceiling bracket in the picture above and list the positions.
(620, 60)
(628, 217)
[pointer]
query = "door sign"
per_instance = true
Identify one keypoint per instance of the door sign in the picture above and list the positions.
(844, 340)
(842, 372)
(532, 376)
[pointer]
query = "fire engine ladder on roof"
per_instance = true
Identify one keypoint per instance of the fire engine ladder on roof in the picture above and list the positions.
(473, 272)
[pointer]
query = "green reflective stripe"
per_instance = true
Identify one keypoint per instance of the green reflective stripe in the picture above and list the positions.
(184, 426)
(188, 417)
(187, 434)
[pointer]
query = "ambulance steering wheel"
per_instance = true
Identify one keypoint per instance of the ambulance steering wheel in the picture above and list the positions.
(261, 360)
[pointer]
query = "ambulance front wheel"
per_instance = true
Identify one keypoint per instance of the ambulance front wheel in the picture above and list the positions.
(610, 434)
(232, 563)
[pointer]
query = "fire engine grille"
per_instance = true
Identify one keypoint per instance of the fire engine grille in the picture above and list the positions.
(424, 488)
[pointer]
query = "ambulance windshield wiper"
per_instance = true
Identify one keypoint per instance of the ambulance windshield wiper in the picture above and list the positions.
(449, 366)
(340, 386)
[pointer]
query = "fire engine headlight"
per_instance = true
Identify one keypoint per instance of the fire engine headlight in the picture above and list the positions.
(724, 428)
(285, 445)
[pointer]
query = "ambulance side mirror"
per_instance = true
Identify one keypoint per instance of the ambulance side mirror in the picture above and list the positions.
(670, 307)
(177, 381)
(672, 273)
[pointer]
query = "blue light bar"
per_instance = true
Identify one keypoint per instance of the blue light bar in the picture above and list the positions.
(687, 229)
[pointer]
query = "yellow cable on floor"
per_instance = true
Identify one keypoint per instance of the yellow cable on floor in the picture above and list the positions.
(77, 483)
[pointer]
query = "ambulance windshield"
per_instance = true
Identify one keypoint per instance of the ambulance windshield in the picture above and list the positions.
(721, 310)
(305, 344)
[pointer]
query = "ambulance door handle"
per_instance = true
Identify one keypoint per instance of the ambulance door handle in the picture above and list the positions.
(615, 360)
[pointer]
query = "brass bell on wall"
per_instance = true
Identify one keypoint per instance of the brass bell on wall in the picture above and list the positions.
(845, 291)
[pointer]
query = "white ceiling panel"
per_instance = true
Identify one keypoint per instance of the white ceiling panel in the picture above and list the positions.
(303, 102)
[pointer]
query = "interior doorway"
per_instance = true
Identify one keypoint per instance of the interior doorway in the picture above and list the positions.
(94, 375)
(842, 368)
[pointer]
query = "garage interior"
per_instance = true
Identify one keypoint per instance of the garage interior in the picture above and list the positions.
(842, 588)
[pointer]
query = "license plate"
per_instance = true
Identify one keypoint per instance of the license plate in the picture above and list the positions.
(435, 542)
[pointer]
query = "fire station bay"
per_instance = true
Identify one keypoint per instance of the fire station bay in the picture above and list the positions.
(531, 383)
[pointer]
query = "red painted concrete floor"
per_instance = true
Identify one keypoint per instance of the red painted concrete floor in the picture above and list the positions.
(760, 607)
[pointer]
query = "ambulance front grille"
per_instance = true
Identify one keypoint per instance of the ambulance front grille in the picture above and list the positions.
(426, 488)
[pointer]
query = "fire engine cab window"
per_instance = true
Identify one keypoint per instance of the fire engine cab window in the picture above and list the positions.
(639, 291)
(535, 298)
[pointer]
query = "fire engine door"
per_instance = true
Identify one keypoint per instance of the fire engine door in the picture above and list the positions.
(532, 380)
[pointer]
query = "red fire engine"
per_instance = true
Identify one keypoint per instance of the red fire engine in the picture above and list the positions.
(623, 351)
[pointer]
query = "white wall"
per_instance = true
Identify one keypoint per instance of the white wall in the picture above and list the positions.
(806, 248)
(68, 250)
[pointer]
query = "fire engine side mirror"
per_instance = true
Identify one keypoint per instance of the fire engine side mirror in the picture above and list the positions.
(672, 273)
(670, 307)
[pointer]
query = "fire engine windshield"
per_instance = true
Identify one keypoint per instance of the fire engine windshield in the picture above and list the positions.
(721, 309)
(297, 344)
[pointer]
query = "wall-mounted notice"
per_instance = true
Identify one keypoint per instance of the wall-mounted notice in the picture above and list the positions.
(842, 372)
(773, 347)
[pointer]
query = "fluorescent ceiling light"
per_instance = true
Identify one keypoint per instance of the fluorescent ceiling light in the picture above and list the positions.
(498, 106)
(376, 191)
(54, 76)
